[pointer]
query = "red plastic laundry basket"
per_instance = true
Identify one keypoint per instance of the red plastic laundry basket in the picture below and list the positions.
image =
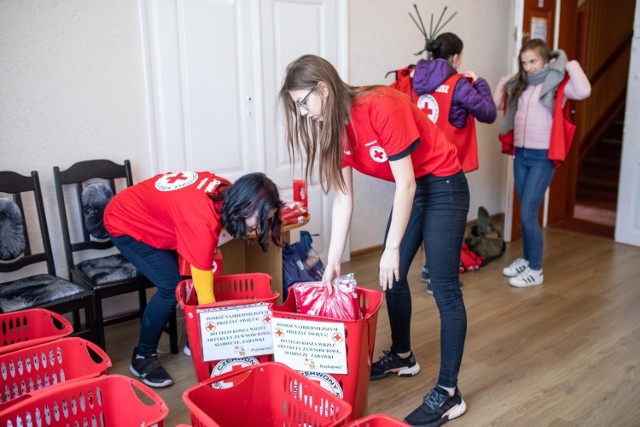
(377, 420)
(108, 400)
(360, 341)
(24, 328)
(266, 395)
(229, 290)
(44, 365)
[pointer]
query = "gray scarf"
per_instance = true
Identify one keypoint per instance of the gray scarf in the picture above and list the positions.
(550, 76)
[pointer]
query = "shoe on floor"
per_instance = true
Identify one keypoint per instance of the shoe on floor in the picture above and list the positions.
(430, 291)
(391, 363)
(527, 278)
(187, 350)
(149, 370)
(516, 267)
(437, 408)
(424, 277)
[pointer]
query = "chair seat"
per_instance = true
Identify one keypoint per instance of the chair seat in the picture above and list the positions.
(35, 291)
(109, 269)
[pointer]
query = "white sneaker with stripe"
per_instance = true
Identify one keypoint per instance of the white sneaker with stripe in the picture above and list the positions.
(527, 278)
(516, 267)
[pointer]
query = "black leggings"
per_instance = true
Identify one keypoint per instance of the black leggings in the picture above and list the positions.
(438, 218)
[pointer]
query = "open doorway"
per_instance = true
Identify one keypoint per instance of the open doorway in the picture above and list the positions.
(585, 199)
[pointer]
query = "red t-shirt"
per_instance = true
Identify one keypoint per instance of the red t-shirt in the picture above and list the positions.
(386, 125)
(170, 211)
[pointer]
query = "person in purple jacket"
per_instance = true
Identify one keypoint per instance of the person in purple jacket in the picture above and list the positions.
(453, 110)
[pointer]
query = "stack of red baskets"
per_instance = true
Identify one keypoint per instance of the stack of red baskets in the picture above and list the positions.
(48, 378)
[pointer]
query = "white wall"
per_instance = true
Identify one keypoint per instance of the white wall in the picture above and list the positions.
(382, 38)
(72, 88)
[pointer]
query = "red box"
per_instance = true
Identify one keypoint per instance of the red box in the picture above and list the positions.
(229, 290)
(266, 395)
(300, 192)
(185, 269)
(108, 400)
(24, 328)
(377, 420)
(360, 341)
(44, 365)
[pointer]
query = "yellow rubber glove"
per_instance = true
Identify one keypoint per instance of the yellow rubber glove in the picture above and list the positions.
(203, 282)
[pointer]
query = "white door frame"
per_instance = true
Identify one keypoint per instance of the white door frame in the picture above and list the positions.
(628, 208)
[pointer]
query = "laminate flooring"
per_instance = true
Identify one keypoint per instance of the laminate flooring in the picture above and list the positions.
(566, 353)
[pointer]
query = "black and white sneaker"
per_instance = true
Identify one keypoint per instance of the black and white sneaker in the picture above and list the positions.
(391, 363)
(437, 408)
(149, 370)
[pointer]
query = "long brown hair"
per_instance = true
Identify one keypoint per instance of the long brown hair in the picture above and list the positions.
(304, 136)
(521, 78)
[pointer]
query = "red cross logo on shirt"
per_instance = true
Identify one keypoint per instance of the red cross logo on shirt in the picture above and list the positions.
(179, 177)
(175, 180)
(378, 154)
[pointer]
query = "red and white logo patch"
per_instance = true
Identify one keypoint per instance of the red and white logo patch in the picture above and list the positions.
(228, 365)
(326, 381)
(378, 154)
(429, 105)
(175, 180)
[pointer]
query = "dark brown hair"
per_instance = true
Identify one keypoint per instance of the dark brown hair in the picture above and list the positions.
(323, 139)
(522, 80)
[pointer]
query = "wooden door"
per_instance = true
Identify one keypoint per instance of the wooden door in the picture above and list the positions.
(539, 20)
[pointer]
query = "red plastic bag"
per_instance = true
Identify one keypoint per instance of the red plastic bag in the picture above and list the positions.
(337, 301)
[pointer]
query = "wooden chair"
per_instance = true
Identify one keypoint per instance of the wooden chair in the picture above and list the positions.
(22, 248)
(89, 186)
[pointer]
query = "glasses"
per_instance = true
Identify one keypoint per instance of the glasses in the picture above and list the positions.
(301, 103)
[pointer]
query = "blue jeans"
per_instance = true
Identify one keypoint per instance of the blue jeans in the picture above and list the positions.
(438, 218)
(161, 268)
(533, 172)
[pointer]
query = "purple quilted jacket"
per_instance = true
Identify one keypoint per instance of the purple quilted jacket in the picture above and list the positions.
(475, 99)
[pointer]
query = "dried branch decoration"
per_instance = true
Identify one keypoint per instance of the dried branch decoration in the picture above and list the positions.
(433, 32)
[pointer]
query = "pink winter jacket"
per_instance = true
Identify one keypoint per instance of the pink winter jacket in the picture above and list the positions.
(532, 123)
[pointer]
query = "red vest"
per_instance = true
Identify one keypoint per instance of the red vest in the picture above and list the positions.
(437, 106)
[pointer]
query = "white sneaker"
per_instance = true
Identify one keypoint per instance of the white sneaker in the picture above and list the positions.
(187, 350)
(527, 278)
(516, 267)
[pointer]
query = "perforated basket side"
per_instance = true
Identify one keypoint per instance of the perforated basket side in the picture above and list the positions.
(41, 366)
(269, 394)
(24, 328)
(108, 400)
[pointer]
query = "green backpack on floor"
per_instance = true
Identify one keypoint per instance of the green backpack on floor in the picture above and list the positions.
(484, 239)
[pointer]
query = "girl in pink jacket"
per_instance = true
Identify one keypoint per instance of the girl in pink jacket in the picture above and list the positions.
(529, 96)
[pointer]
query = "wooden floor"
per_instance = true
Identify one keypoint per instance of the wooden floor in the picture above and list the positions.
(566, 353)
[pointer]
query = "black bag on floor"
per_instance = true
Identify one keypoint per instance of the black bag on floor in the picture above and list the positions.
(484, 239)
(300, 263)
